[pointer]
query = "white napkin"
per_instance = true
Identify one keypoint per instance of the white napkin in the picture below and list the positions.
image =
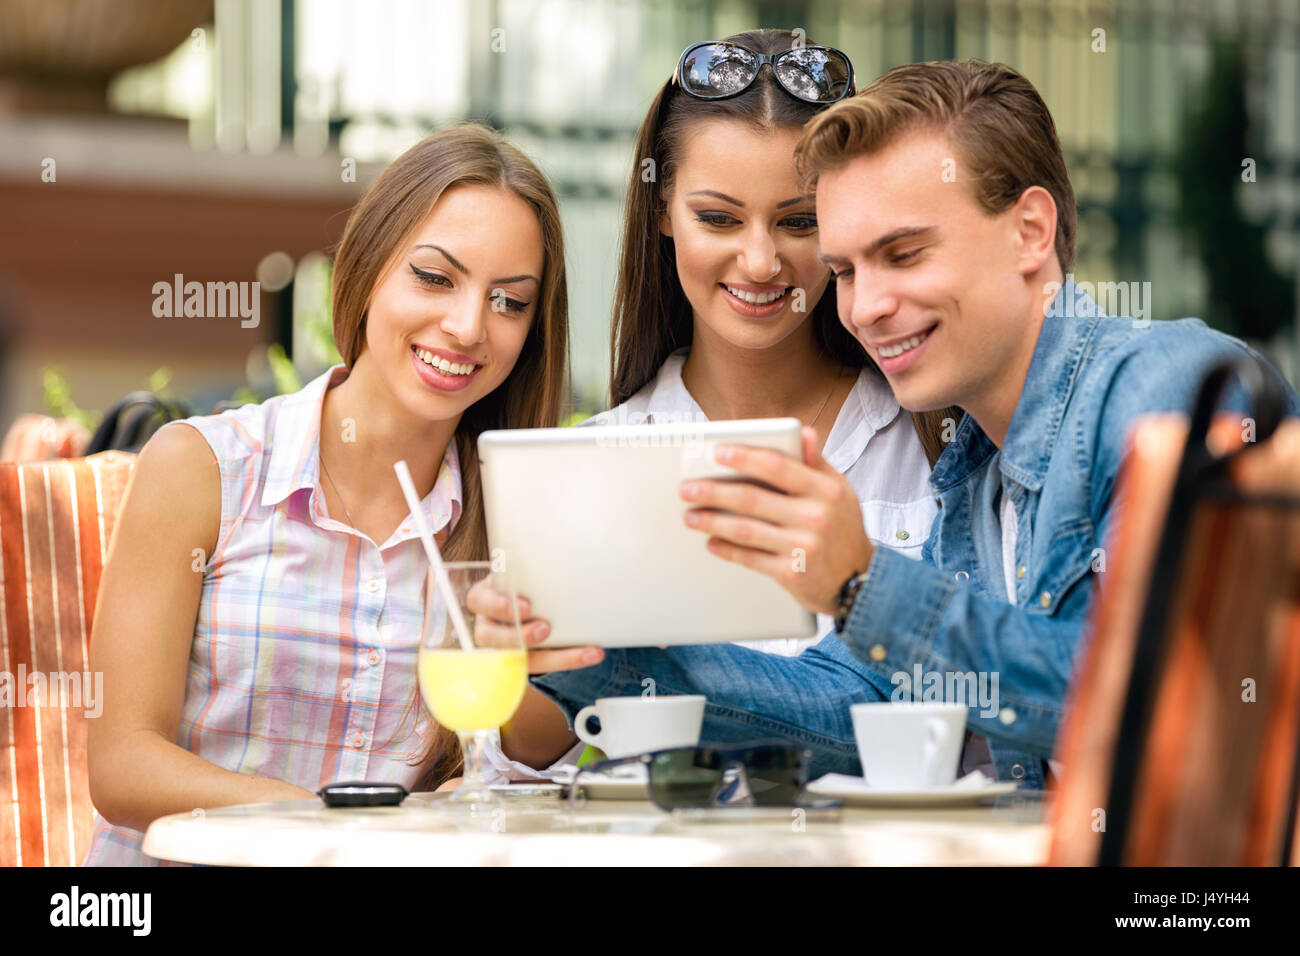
(628, 771)
(975, 780)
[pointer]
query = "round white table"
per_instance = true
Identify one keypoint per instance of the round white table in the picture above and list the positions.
(598, 833)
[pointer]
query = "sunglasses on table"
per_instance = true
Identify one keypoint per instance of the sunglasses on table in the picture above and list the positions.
(689, 778)
(814, 74)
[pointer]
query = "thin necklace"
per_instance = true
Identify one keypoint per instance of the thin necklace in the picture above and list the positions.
(325, 468)
(812, 424)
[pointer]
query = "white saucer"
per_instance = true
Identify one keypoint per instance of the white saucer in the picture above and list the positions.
(855, 791)
(627, 782)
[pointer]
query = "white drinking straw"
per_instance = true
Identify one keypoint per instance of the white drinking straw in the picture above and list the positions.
(435, 559)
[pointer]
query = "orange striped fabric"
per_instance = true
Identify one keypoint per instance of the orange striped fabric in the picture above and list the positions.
(56, 519)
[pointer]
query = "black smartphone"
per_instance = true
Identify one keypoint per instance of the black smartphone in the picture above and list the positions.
(358, 793)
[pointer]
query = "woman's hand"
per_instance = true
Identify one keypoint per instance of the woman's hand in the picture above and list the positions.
(563, 659)
(809, 539)
(491, 611)
(538, 733)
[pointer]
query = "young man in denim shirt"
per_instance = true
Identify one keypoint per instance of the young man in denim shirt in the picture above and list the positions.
(947, 217)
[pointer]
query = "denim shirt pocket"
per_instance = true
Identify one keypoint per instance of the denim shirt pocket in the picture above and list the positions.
(1065, 561)
(901, 526)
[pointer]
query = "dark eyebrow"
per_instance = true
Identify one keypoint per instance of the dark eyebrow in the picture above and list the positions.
(905, 233)
(717, 195)
(450, 258)
(736, 202)
(458, 265)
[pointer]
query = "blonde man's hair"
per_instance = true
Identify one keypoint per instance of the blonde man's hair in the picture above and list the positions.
(1000, 129)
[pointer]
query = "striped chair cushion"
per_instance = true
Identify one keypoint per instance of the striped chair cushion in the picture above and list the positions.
(56, 519)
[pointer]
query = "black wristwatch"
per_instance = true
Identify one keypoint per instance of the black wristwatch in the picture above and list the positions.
(844, 600)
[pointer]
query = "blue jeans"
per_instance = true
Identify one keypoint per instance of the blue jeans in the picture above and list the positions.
(751, 695)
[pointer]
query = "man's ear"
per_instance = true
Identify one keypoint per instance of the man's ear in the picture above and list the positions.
(1034, 219)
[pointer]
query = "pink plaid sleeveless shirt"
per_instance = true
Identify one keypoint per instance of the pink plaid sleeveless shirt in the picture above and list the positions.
(303, 665)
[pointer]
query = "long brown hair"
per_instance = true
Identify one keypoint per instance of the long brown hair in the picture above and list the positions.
(652, 317)
(533, 394)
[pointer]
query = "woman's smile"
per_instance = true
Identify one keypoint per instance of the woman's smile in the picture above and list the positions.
(749, 301)
(447, 371)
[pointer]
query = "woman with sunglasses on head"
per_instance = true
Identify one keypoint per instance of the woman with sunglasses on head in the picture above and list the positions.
(260, 612)
(723, 308)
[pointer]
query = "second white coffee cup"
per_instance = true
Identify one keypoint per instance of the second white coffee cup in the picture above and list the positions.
(905, 745)
(637, 725)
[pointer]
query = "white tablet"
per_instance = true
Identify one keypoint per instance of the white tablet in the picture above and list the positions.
(589, 521)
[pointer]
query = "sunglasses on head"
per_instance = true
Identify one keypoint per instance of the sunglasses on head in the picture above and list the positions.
(814, 74)
(758, 775)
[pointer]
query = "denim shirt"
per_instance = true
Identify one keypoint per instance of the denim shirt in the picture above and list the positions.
(1089, 378)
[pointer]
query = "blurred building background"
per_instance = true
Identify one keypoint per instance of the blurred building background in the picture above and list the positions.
(226, 141)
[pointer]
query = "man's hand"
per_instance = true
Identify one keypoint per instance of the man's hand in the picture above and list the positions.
(810, 539)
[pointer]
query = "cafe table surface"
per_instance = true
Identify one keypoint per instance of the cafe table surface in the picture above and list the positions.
(1008, 830)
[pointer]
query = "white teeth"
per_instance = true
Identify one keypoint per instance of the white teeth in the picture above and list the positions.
(754, 298)
(892, 351)
(442, 365)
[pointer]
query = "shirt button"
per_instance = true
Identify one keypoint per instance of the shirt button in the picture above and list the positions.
(373, 657)
(1007, 715)
(1020, 571)
(962, 576)
(358, 740)
(372, 585)
(1017, 771)
(902, 534)
(878, 652)
(1045, 599)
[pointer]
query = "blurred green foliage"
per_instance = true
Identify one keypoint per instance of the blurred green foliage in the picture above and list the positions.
(1248, 296)
(59, 403)
(575, 418)
(286, 376)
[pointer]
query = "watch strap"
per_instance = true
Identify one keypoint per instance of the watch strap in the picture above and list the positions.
(847, 596)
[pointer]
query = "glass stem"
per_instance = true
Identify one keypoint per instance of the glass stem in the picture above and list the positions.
(473, 786)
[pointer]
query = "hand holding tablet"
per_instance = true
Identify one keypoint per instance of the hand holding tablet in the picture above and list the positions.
(800, 507)
(592, 523)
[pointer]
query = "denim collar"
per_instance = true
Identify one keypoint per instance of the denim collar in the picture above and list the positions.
(1067, 330)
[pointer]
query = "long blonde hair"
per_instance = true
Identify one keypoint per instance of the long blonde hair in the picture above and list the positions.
(534, 393)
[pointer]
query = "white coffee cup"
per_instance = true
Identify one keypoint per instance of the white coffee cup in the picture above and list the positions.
(907, 744)
(637, 725)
